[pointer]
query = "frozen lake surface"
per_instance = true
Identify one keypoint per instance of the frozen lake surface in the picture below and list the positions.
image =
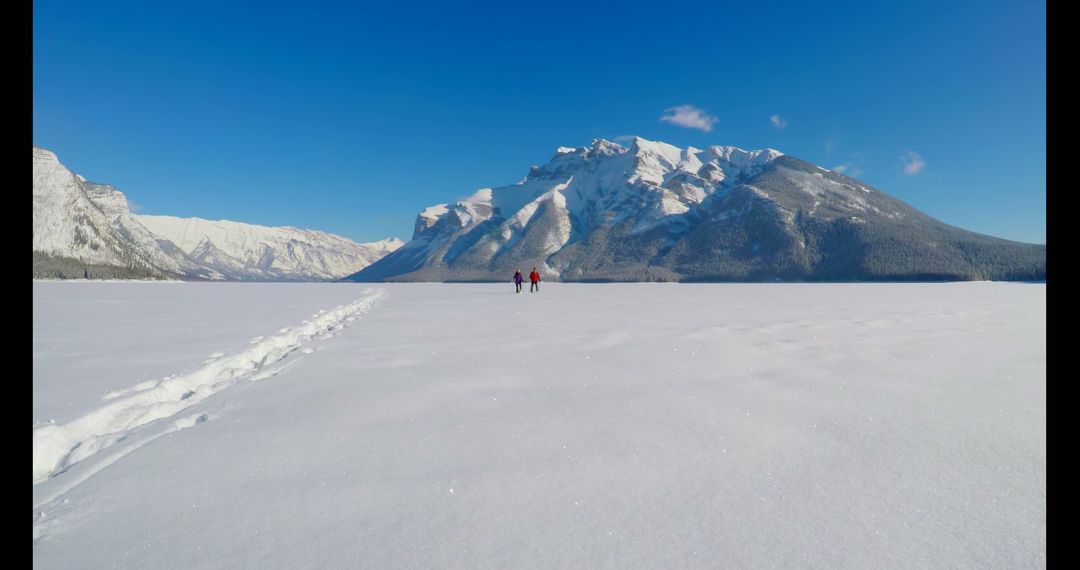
(230, 425)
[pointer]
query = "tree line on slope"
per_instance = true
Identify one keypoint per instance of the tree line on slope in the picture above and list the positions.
(57, 267)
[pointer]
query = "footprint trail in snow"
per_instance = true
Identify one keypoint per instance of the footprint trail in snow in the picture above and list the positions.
(59, 446)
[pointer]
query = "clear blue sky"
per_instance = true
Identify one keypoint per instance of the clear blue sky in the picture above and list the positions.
(351, 117)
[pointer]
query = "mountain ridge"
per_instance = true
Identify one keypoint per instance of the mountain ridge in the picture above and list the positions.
(86, 229)
(652, 211)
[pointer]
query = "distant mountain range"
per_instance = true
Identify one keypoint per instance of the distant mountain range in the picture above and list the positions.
(651, 211)
(84, 229)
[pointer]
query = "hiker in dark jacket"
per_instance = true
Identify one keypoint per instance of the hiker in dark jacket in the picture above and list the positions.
(534, 278)
(517, 280)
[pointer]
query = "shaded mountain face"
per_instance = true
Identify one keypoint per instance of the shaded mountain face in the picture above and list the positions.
(84, 229)
(651, 211)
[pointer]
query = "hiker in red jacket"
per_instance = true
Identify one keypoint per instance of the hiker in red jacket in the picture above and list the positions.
(534, 279)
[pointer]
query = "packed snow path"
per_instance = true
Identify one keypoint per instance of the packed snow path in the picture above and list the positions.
(58, 446)
(637, 425)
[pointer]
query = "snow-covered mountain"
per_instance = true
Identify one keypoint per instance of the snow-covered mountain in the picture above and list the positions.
(73, 234)
(81, 227)
(653, 211)
(246, 251)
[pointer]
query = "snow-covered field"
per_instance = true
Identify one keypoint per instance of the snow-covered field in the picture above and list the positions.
(223, 425)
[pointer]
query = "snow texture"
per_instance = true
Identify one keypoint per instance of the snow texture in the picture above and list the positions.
(618, 425)
(58, 446)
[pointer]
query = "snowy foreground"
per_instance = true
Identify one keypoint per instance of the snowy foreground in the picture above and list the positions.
(181, 425)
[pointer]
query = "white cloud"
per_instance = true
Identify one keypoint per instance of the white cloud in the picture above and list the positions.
(133, 207)
(690, 117)
(779, 122)
(913, 163)
(848, 168)
(828, 146)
